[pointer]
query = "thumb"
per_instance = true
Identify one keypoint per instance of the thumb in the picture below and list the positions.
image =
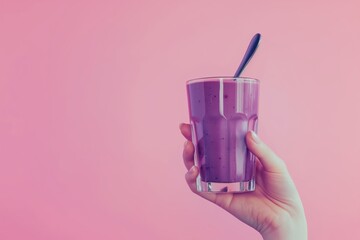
(269, 160)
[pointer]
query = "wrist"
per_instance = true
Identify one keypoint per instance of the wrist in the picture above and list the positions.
(291, 230)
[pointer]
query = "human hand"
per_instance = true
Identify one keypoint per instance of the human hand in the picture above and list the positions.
(274, 209)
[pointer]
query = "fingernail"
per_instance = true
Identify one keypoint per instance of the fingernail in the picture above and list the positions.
(255, 137)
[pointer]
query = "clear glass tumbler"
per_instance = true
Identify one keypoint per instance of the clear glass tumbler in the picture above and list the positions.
(222, 110)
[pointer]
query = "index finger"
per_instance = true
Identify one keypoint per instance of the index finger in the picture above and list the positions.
(185, 130)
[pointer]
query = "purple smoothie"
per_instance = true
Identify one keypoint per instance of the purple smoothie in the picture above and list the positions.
(221, 112)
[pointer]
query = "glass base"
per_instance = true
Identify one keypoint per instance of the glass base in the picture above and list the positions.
(219, 187)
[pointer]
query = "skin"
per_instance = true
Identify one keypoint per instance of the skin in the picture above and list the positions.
(274, 209)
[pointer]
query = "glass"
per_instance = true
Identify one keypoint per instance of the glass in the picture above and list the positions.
(222, 110)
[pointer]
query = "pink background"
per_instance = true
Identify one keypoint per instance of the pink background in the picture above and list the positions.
(92, 92)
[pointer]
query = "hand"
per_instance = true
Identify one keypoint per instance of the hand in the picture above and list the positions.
(274, 209)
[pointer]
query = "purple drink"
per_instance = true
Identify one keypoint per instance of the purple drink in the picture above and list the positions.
(222, 110)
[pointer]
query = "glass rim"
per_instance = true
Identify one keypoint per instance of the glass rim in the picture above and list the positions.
(224, 78)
